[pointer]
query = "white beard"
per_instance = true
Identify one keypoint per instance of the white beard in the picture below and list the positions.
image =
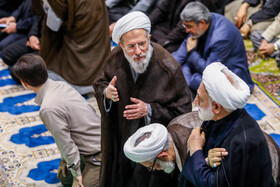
(140, 66)
(166, 166)
(206, 114)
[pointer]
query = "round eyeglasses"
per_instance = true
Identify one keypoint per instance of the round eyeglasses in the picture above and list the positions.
(132, 47)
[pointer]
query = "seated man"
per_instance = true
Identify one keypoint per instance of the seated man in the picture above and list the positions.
(221, 97)
(72, 122)
(30, 44)
(167, 29)
(252, 15)
(212, 38)
(268, 41)
(19, 24)
(8, 6)
(141, 84)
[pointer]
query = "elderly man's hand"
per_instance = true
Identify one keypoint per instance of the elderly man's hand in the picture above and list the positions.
(191, 43)
(111, 91)
(196, 140)
(215, 156)
(135, 111)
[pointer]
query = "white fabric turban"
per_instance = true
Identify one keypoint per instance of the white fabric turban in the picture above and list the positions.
(131, 21)
(220, 88)
(150, 147)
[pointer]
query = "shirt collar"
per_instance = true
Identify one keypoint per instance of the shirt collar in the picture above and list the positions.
(41, 93)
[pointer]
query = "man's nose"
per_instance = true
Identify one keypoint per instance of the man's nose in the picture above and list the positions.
(137, 50)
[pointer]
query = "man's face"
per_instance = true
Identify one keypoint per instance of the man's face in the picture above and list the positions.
(137, 49)
(204, 105)
(196, 30)
(166, 165)
(135, 43)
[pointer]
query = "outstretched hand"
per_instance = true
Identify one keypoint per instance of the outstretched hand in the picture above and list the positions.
(135, 111)
(111, 91)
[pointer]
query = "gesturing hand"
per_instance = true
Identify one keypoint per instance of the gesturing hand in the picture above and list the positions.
(214, 156)
(111, 91)
(196, 140)
(135, 111)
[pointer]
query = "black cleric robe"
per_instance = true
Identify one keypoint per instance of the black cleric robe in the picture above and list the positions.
(248, 162)
(163, 86)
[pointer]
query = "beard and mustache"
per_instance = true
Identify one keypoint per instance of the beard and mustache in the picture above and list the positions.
(141, 65)
(206, 114)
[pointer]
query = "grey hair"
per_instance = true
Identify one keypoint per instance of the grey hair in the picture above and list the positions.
(195, 12)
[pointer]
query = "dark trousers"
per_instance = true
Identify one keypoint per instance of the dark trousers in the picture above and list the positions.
(7, 39)
(5, 13)
(90, 167)
(13, 52)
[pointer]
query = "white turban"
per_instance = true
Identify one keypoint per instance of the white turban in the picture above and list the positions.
(130, 21)
(220, 88)
(149, 148)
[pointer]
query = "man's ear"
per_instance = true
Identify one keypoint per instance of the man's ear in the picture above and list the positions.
(163, 155)
(150, 36)
(216, 108)
(24, 84)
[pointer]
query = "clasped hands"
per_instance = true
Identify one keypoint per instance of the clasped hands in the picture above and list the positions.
(133, 111)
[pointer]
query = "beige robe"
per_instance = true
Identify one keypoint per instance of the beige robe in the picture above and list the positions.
(78, 50)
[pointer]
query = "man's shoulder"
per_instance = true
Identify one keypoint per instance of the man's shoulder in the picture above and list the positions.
(164, 58)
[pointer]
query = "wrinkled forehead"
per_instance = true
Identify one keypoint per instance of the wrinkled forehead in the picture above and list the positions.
(134, 36)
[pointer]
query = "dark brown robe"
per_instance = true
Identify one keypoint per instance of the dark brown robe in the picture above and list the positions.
(163, 86)
(78, 50)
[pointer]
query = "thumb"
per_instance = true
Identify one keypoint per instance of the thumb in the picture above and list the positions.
(113, 81)
(134, 100)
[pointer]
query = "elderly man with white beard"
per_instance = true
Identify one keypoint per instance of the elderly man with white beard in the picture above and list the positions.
(221, 97)
(141, 84)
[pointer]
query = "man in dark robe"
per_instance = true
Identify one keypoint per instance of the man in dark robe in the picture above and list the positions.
(141, 84)
(245, 160)
(75, 38)
(160, 148)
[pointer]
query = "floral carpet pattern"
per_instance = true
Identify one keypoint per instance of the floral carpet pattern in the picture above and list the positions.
(28, 153)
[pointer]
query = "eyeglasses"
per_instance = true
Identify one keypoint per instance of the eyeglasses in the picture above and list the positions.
(132, 47)
(152, 168)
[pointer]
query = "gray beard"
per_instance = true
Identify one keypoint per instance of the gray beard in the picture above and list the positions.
(140, 66)
(166, 166)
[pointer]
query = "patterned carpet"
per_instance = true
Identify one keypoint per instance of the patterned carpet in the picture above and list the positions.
(29, 156)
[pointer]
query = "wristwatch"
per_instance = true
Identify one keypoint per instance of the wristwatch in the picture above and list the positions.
(276, 48)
